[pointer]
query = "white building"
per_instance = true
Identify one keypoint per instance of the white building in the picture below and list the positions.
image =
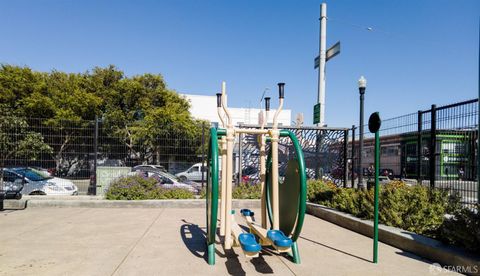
(205, 108)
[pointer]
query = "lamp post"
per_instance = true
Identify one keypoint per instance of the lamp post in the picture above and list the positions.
(362, 84)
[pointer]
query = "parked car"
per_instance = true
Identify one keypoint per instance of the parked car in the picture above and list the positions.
(48, 172)
(250, 172)
(387, 172)
(12, 190)
(194, 173)
(152, 168)
(169, 181)
(34, 182)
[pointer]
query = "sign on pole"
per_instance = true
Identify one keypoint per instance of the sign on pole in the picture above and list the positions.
(331, 52)
(316, 113)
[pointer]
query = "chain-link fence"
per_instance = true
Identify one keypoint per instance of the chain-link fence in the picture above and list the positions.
(80, 157)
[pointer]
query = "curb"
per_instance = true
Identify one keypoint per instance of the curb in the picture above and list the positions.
(420, 245)
(103, 203)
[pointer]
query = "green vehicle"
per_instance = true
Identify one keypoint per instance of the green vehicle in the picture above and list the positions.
(454, 154)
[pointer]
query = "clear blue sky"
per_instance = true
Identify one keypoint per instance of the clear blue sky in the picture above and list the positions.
(418, 52)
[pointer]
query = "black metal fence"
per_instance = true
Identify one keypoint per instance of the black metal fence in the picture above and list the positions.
(435, 147)
(76, 150)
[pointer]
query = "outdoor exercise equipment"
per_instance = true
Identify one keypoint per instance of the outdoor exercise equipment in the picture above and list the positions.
(374, 123)
(284, 203)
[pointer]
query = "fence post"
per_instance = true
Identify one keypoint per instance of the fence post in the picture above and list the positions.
(419, 147)
(318, 135)
(203, 155)
(353, 156)
(240, 158)
(93, 185)
(345, 164)
(433, 141)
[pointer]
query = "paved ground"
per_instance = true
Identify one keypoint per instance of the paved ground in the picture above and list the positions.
(123, 241)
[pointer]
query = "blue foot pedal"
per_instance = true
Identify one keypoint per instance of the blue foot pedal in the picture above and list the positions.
(279, 239)
(248, 243)
(247, 212)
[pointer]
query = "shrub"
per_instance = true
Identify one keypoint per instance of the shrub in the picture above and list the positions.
(140, 188)
(319, 191)
(247, 191)
(203, 193)
(462, 229)
(177, 193)
(416, 208)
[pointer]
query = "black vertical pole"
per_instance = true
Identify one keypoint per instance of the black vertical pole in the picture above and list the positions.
(360, 148)
(478, 123)
(345, 164)
(433, 141)
(95, 158)
(353, 156)
(2, 197)
(419, 147)
(240, 158)
(203, 155)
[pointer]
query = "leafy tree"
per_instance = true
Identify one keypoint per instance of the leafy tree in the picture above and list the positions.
(16, 83)
(139, 111)
(17, 140)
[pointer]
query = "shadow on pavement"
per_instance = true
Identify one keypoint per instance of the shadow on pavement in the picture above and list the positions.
(338, 250)
(234, 267)
(194, 238)
(412, 256)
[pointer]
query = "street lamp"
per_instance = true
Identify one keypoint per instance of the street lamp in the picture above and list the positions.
(362, 84)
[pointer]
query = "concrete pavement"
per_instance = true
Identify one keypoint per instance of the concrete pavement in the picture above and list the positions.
(160, 241)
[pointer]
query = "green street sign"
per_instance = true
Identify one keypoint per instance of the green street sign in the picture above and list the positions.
(316, 113)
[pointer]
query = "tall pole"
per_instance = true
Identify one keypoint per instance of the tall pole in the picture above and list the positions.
(322, 60)
(353, 156)
(203, 155)
(93, 186)
(362, 84)
(478, 123)
(374, 124)
(375, 211)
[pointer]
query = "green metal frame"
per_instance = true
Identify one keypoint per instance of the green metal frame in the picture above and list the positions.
(376, 191)
(302, 206)
(212, 194)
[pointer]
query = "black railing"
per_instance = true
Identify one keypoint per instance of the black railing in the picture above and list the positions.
(435, 147)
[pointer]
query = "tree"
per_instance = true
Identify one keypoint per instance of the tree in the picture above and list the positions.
(17, 140)
(140, 112)
(144, 114)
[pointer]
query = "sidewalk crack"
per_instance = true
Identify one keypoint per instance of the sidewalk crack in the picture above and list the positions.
(138, 241)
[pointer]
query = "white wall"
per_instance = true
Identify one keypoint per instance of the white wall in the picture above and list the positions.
(205, 107)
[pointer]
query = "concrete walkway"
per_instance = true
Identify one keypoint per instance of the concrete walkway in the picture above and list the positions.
(148, 241)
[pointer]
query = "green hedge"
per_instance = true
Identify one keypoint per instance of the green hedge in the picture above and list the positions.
(247, 190)
(244, 190)
(415, 208)
(139, 188)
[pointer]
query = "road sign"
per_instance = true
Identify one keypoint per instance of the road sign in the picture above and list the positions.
(331, 52)
(316, 113)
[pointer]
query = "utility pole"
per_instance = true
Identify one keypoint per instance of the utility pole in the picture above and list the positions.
(322, 61)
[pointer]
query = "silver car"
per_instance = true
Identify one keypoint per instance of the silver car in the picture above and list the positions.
(169, 181)
(33, 182)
